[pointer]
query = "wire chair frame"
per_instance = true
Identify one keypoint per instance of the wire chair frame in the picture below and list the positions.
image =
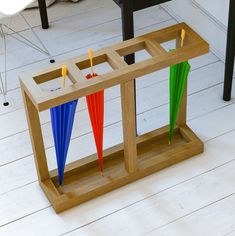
(19, 37)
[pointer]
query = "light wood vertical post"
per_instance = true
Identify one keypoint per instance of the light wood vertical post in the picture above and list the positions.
(36, 138)
(128, 115)
(182, 117)
(128, 121)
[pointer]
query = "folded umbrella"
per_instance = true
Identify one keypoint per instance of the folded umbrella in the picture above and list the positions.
(62, 118)
(178, 79)
(95, 104)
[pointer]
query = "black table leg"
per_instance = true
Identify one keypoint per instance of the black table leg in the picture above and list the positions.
(128, 26)
(230, 53)
(128, 32)
(43, 13)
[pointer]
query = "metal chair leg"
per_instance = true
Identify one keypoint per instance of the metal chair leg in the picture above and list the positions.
(39, 40)
(16, 35)
(4, 84)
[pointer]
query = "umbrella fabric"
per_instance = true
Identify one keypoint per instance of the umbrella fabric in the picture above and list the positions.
(178, 78)
(62, 118)
(95, 104)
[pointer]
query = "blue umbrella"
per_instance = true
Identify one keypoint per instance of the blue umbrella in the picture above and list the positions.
(62, 118)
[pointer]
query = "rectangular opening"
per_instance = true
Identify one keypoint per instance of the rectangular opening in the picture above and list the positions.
(55, 84)
(140, 50)
(169, 45)
(100, 65)
(169, 40)
(52, 81)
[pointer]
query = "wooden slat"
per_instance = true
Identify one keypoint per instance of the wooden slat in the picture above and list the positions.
(36, 138)
(115, 60)
(75, 74)
(31, 88)
(129, 125)
(128, 116)
(154, 48)
(188, 135)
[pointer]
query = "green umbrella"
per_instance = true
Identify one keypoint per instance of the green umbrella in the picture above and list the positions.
(178, 79)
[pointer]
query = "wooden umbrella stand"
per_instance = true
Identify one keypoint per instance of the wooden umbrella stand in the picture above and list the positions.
(137, 156)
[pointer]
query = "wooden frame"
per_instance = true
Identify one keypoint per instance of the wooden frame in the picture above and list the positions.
(137, 156)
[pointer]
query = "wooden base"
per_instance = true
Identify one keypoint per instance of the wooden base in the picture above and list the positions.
(83, 181)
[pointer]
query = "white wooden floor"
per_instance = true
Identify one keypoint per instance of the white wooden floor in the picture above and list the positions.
(196, 197)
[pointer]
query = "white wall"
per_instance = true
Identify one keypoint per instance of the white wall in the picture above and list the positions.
(207, 17)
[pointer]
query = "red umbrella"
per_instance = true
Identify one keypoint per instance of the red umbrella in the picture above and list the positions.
(95, 104)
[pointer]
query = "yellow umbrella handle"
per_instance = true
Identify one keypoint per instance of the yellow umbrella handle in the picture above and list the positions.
(90, 55)
(63, 73)
(183, 33)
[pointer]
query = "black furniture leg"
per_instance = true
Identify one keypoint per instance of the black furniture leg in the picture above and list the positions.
(128, 33)
(230, 53)
(128, 26)
(43, 13)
